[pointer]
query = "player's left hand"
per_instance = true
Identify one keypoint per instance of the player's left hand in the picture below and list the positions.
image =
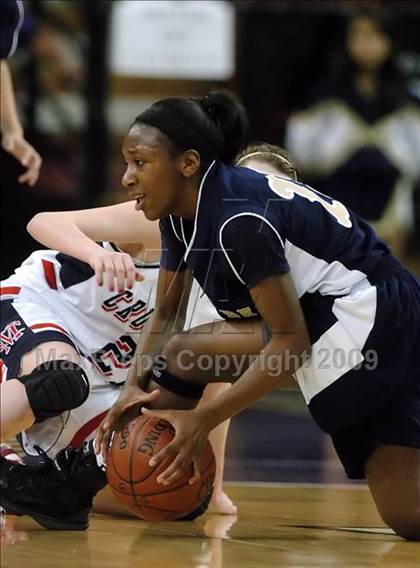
(20, 148)
(191, 433)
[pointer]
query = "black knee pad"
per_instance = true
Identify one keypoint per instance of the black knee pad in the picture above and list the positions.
(54, 387)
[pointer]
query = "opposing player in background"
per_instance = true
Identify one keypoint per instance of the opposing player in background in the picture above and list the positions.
(12, 136)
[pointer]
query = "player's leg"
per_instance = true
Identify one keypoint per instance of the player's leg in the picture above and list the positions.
(76, 474)
(106, 503)
(385, 449)
(219, 351)
(22, 398)
(58, 492)
(220, 502)
(393, 475)
(15, 412)
(217, 354)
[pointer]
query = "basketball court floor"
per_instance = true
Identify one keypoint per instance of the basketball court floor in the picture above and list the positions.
(290, 525)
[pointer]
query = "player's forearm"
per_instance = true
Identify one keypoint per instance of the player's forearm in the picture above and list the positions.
(57, 230)
(158, 331)
(9, 118)
(274, 367)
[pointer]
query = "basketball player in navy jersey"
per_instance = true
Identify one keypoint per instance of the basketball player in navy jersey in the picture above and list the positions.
(322, 296)
(300, 281)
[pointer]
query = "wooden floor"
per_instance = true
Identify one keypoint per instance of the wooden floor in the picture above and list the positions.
(277, 525)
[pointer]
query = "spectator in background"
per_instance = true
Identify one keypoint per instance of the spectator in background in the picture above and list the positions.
(13, 140)
(359, 138)
(47, 74)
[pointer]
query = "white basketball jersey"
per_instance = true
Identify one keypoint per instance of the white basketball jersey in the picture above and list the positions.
(104, 325)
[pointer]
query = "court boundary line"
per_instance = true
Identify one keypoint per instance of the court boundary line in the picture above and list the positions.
(308, 485)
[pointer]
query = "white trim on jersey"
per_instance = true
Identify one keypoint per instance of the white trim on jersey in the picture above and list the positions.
(3, 371)
(49, 326)
(223, 247)
(17, 29)
(332, 278)
(339, 349)
(183, 233)
(174, 230)
(355, 312)
(187, 252)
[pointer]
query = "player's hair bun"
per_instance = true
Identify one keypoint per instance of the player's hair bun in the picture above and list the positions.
(226, 111)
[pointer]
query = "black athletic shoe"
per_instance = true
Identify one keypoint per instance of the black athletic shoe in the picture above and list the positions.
(51, 492)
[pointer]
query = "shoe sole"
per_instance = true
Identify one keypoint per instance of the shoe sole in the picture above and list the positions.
(70, 524)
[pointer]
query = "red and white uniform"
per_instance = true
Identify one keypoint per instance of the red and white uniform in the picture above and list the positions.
(54, 297)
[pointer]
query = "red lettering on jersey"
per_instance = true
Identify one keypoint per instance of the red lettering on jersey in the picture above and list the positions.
(112, 303)
(10, 335)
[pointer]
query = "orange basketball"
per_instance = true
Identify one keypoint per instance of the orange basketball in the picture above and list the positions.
(133, 481)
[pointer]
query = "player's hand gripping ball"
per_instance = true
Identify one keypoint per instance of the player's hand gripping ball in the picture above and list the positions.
(134, 482)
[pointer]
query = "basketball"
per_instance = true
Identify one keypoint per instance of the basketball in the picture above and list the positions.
(133, 481)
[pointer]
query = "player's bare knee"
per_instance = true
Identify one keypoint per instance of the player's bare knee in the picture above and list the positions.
(173, 355)
(55, 387)
(403, 519)
(406, 526)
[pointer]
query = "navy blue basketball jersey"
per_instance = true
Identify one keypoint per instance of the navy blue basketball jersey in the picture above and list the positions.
(11, 20)
(249, 226)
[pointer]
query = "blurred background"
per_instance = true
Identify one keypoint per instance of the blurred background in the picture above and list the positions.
(337, 83)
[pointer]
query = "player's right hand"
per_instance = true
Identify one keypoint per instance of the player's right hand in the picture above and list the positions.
(114, 269)
(26, 154)
(127, 407)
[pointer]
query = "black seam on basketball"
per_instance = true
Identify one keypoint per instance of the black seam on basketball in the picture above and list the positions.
(113, 462)
(172, 489)
(202, 473)
(131, 461)
(134, 501)
(152, 470)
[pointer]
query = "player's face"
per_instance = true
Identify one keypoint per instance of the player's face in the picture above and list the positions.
(367, 44)
(151, 177)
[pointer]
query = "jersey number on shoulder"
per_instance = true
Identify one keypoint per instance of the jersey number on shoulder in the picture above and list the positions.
(336, 209)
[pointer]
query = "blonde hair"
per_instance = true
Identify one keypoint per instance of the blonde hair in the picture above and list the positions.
(271, 154)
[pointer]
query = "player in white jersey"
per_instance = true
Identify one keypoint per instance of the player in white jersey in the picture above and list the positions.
(53, 299)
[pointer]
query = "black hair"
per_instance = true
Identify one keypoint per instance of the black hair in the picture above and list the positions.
(271, 154)
(215, 125)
